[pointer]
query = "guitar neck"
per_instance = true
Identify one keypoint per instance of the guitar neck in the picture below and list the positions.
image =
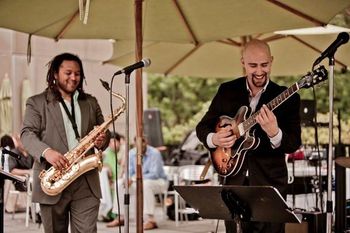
(277, 101)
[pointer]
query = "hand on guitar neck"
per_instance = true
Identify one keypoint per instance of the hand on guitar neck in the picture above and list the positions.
(268, 122)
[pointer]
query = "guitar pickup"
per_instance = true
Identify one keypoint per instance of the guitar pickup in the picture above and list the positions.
(240, 129)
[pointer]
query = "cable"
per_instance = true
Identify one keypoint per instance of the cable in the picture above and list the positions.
(319, 159)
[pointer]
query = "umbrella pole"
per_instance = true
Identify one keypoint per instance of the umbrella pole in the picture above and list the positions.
(139, 123)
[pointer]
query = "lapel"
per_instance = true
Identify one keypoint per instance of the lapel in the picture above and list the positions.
(265, 97)
(56, 115)
(244, 99)
(85, 116)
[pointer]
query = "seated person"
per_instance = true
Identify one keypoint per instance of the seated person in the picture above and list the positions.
(7, 143)
(121, 156)
(18, 167)
(23, 166)
(110, 155)
(154, 182)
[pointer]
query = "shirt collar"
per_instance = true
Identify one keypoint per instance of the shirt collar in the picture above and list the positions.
(260, 92)
(76, 95)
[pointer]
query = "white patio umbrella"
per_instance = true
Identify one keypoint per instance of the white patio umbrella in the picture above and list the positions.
(26, 92)
(294, 52)
(5, 106)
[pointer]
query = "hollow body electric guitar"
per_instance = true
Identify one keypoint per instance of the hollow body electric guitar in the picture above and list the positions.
(228, 161)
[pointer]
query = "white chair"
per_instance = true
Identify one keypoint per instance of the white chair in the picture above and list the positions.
(170, 171)
(31, 206)
(16, 194)
(189, 175)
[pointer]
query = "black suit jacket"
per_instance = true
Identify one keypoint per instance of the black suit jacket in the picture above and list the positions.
(266, 165)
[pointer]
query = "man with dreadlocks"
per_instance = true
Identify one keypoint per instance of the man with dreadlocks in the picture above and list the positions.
(54, 122)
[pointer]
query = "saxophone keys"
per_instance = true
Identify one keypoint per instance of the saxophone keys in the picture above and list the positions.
(42, 174)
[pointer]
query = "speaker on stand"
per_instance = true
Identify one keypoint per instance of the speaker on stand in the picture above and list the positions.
(153, 127)
(307, 113)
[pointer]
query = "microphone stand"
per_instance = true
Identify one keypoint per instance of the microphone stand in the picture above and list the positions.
(126, 177)
(329, 206)
(11, 153)
(342, 38)
(126, 154)
(127, 71)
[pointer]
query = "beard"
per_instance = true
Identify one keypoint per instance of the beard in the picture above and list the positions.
(67, 88)
(259, 82)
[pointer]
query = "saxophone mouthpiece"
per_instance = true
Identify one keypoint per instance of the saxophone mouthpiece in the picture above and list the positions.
(105, 84)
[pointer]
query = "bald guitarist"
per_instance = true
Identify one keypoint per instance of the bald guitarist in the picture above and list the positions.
(276, 133)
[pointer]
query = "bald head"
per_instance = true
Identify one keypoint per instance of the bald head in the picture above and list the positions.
(256, 61)
(255, 46)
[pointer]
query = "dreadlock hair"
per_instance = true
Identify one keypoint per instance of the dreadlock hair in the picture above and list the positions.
(54, 66)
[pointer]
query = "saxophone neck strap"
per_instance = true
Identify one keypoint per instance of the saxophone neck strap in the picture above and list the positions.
(71, 116)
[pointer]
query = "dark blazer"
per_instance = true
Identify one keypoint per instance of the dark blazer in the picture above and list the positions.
(43, 127)
(266, 165)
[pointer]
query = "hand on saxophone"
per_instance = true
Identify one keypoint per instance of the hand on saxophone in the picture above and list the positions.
(56, 159)
(100, 140)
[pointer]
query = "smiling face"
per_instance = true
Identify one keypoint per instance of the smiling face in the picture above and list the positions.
(257, 60)
(68, 78)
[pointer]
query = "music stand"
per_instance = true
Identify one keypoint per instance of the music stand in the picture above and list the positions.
(239, 203)
(5, 176)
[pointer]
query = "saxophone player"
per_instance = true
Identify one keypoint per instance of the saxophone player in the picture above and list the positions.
(54, 122)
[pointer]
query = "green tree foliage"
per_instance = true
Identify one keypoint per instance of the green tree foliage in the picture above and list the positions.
(341, 93)
(342, 19)
(341, 106)
(181, 101)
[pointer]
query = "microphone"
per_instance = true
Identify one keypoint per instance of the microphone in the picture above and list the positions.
(105, 84)
(342, 38)
(143, 63)
(11, 153)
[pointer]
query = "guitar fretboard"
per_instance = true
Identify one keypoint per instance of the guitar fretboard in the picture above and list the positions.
(250, 122)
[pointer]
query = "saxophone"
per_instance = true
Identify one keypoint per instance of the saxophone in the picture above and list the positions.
(54, 181)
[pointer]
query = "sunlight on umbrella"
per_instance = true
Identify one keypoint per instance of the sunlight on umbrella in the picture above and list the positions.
(5, 106)
(293, 50)
(25, 94)
(328, 29)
